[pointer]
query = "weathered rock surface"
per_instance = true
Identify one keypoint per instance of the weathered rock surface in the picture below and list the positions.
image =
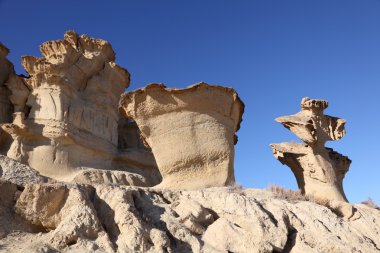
(191, 132)
(97, 176)
(66, 112)
(110, 218)
(63, 121)
(13, 89)
(18, 173)
(6, 70)
(319, 171)
(13, 93)
(73, 99)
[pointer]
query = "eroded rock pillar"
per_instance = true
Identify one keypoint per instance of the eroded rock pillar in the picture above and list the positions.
(319, 170)
(191, 132)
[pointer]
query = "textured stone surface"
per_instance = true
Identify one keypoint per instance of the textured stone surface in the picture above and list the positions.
(66, 112)
(133, 156)
(65, 211)
(18, 173)
(75, 218)
(6, 70)
(97, 176)
(319, 170)
(191, 131)
(13, 93)
(63, 121)
(13, 90)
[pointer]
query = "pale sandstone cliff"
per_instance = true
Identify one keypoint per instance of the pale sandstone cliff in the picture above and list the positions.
(65, 114)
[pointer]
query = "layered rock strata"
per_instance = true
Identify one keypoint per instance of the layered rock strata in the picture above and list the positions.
(191, 132)
(70, 117)
(319, 170)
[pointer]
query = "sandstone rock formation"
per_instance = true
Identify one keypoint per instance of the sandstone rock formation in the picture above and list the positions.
(110, 218)
(6, 69)
(191, 132)
(13, 95)
(319, 171)
(62, 121)
(69, 118)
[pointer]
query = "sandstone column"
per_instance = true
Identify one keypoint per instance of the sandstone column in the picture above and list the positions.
(69, 117)
(319, 170)
(191, 132)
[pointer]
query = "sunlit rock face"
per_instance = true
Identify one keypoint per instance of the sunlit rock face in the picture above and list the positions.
(65, 217)
(319, 170)
(71, 119)
(191, 132)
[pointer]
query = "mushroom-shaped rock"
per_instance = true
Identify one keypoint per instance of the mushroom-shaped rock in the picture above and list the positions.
(191, 132)
(319, 170)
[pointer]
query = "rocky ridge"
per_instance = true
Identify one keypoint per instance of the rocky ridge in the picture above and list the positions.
(62, 217)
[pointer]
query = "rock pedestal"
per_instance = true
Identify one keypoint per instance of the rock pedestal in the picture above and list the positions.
(318, 173)
(319, 170)
(191, 132)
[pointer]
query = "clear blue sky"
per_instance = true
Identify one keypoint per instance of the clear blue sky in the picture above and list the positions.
(273, 52)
